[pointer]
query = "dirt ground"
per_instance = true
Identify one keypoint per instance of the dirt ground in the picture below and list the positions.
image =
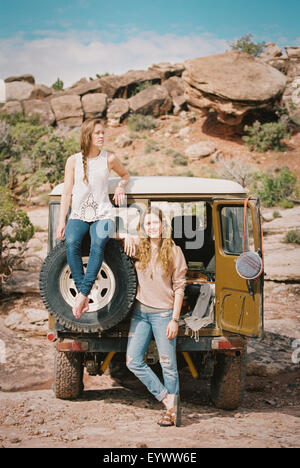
(109, 414)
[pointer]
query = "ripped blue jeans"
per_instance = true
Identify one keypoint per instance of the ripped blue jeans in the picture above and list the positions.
(100, 232)
(140, 333)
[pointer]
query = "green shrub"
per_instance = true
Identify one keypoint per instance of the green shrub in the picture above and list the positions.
(273, 189)
(286, 204)
(268, 136)
(186, 174)
(245, 44)
(15, 226)
(151, 146)
(170, 152)
(276, 214)
(292, 237)
(49, 157)
(58, 85)
(138, 122)
(30, 148)
(104, 74)
(18, 117)
(140, 87)
(179, 159)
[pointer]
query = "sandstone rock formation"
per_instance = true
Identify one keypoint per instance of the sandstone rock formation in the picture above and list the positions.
(83, 87)
(67, 110)
(175, 88)
(121, 86)
(18, 90)
(43, 109)
(117, 110)
(200, 150)
(233, 84)
(288, 64)
(27, 77)
(281, 259)
(11, 107)
(166, 69)
(154, 100)
(94, 104)
(41, 92)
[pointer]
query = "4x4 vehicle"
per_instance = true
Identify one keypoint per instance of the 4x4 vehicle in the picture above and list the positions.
(216, 224)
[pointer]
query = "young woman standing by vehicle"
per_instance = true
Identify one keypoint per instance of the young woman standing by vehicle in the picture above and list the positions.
(161, 271)
(86, 179)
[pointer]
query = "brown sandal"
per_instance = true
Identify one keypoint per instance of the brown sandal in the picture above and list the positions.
(168, 418)
(171, 417)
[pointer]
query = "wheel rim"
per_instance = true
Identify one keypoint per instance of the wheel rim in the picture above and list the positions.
(101, 292)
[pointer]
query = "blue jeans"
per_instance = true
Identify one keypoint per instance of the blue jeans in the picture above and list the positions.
(140, 333)
(100, 232)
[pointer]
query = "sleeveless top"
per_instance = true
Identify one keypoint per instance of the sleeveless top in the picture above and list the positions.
(90, 202)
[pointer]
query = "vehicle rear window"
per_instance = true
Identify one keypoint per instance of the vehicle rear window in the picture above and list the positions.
(186, 219)
(232, 225)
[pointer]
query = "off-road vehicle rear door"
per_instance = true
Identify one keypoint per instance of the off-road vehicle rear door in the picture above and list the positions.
(239, 302)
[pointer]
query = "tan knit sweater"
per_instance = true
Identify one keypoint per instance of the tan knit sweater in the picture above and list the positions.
(155, 287)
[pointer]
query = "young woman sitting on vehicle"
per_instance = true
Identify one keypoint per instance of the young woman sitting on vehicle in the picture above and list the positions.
(161, 272)
(86, 178)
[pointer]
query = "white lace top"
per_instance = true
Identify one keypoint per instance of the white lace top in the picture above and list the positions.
(90, 202)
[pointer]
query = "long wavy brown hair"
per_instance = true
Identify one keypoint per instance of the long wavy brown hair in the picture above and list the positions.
(85, 141)
(165, 253)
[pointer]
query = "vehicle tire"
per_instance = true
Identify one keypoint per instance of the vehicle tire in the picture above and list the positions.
(68, 375)
(111, 297)
(228, 380)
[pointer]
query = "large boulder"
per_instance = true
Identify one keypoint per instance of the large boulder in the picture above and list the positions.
(233, 84)
(271, 51)
(83, 87)
(41, 92)
(281, 259)
(174, 86)
(166, 69)
(18, 90)
(117, 111)
(94, 105)
(179, 103)
(41, 108)
(154, 100)
(27, 77)
(67, 110)
(200, 150)
(122, 86)
(293, 52)
(273, 56)
(11, 107)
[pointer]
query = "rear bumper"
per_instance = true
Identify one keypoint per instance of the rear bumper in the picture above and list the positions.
(119, 345)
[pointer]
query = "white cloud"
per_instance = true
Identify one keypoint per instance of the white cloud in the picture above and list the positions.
(72, 55)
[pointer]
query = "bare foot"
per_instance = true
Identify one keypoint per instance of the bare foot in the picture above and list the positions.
(86, 306)
(168, 400)
(81, 305)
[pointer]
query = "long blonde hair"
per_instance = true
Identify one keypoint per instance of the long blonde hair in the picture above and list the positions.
(85, 141)
(165, 253)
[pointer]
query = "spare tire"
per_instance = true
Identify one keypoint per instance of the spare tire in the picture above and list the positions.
(111, 297)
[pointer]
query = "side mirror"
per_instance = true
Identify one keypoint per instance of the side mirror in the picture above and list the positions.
(249, 265)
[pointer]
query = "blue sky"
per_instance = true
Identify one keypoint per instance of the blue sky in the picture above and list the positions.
(77, 38)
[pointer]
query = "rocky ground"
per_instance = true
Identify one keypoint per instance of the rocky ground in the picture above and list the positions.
(109, 414)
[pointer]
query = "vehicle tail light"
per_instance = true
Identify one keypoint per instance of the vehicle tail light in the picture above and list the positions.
(51, 336)
(225, 343)
(72, 346)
